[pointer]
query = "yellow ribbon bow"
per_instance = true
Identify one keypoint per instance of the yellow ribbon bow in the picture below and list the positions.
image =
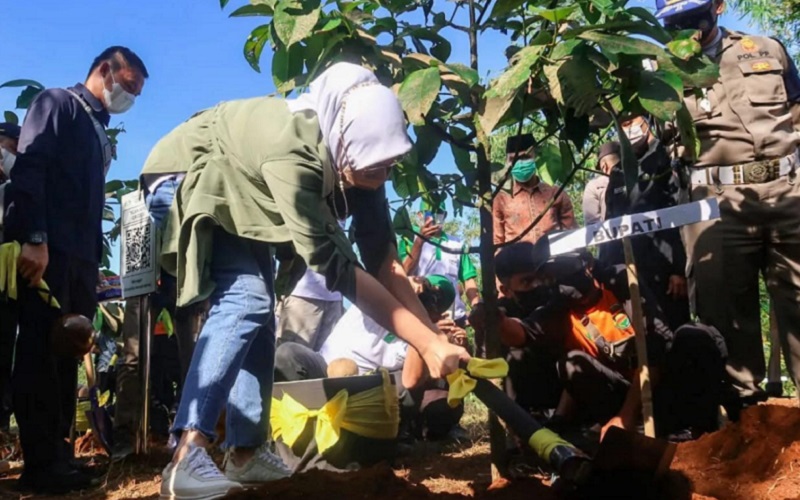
(288, 418)
(372, 413)
(9, 255)
(462, 382)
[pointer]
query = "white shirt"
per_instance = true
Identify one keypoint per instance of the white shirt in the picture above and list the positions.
(361, 339)
(447, 266)
(312, 285)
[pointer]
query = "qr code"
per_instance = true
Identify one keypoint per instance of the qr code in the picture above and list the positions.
(137, 248)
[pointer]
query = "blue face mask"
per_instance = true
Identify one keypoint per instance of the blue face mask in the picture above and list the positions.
(523, 170)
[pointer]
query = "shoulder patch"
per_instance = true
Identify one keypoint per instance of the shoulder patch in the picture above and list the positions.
(748, 45)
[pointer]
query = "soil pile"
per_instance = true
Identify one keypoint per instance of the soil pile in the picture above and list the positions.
(758, 457)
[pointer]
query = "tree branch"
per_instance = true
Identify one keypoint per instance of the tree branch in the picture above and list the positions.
(447, 136)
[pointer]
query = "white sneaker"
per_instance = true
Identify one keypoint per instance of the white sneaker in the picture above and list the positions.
(196, 477)
(262, 468)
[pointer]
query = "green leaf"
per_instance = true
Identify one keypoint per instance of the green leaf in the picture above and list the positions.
(505, 7)
(462, 157)
(11, 117)
(295, 20)
(254, 46)
(517, 74)
(223, 3)
(576, 128)
(331, 25)
(402, 224)
(469, 75)
(286, 64)
(591, 12)
(27, 96)
(688, 132)
(573, 83)
(553, 15)
(492, 110)
(418, 92)
(684, 49)
(23, 83)
(617, 44)
(260, 9)
(427, 144)
(549, 163)
(440, 46)
(605, 7)
(404, 177)
(113, 186)
(658, 96)
(108, 214)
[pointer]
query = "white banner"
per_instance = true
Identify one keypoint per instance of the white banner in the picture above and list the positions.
(634, 224)
(139, 266)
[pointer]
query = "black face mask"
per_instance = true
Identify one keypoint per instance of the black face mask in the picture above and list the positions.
(530, 300)
(576, 287)
(703, 21)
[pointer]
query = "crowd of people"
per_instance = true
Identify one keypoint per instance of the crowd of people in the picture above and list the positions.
(251, 198)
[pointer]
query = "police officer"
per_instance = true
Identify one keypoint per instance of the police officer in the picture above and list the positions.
(746, 122)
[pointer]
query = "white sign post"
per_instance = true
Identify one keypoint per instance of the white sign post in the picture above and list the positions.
(139, 277)
(139, 266)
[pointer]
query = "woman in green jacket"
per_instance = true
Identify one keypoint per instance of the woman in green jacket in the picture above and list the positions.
(257, 173)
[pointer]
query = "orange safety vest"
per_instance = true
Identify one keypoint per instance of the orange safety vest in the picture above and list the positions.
(606, 319)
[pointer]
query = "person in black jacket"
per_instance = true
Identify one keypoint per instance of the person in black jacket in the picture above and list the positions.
(578, 314)
(660, 256)
(55, 213)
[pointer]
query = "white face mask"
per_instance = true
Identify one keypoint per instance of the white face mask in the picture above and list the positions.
(635, 132)
(7, 161)
(117, 100)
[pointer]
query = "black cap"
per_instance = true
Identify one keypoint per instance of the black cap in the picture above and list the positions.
(520, 143)
(609, 148)
(526, 257)
(522, 257)
(10, 130)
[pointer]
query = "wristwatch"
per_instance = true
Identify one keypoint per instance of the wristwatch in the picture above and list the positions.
(37, 238)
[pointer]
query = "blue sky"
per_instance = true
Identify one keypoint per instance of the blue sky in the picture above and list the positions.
(191, 48)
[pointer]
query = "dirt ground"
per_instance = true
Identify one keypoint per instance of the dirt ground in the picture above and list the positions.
(757, 458)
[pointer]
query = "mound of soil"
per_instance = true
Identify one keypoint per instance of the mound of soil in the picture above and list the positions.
(758, 457)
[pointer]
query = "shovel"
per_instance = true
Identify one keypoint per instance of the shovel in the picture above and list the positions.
(98, 416)
(620, 451)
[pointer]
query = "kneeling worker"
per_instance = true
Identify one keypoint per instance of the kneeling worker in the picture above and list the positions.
(580, 314)
(361, 343)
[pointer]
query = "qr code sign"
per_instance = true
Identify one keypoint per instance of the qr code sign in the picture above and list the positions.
(137, 248)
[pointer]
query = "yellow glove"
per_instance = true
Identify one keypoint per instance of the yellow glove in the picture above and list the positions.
(9, 255)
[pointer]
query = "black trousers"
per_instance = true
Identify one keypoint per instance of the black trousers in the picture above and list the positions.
(8, 336)
(687, 395)
(44, 384)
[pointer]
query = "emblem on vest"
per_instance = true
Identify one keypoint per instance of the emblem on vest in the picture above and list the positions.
(621, 321)
(748, 45)
(761, 66)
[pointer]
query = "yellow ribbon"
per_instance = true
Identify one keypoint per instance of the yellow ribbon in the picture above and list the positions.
(9, 255)
(462, 382)
(373, 413)
(544, 440)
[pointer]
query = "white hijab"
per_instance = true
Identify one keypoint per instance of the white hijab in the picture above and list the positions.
(372, 129)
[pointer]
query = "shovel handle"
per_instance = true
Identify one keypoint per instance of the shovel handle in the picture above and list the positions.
(522, 423)
(88, 365)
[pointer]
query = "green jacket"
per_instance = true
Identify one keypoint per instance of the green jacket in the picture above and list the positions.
(259, 172)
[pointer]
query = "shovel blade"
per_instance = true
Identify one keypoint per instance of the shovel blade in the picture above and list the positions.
(632, 452)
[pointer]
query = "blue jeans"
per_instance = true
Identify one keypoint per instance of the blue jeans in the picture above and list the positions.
(158, 202)
(233, 362)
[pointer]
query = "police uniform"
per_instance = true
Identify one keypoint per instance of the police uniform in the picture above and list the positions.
(746, 123)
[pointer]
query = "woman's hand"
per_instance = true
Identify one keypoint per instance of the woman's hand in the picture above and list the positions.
(443, 358)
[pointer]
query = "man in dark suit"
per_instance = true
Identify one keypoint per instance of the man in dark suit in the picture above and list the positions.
(56, 209)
